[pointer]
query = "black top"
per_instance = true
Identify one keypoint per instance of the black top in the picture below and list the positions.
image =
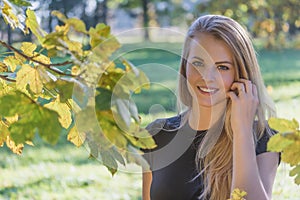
(172, 162)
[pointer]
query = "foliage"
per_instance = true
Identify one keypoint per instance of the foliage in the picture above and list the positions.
(287, 141)
(86, 95)
(238, 194)
(276, 21)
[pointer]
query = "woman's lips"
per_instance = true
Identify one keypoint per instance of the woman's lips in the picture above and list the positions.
(207, 91)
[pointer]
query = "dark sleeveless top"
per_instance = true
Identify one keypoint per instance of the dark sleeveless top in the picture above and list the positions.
(172, 162)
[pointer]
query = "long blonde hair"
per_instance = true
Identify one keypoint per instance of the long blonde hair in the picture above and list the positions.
(216, 166)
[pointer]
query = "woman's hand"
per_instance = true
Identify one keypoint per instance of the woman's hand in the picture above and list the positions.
(244, 105)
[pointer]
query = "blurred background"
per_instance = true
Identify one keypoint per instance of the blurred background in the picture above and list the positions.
(151, 33)
(275, 23)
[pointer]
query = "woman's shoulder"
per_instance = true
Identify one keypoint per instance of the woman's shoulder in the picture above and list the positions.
(165, 124)
(261, 145)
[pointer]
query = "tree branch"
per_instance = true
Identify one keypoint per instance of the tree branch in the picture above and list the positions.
(6, 78)
(49, 66)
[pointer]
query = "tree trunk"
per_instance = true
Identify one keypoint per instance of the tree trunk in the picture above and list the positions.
(101, 12)
(50, 23)
(145, 19)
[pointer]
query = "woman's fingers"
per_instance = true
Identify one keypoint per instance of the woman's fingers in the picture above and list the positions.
(244, 86)
(239, 87)
(247, 84)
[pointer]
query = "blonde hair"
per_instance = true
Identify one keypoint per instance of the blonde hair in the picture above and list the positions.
(216, 166)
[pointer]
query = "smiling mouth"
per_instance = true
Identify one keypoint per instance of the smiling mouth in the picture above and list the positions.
(206, 90)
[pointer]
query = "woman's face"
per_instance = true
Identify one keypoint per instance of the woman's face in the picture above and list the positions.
(210, 71)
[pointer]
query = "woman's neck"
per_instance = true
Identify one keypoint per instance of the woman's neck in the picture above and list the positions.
(203, 118)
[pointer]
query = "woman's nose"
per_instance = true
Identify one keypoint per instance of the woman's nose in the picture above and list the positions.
(209, 74)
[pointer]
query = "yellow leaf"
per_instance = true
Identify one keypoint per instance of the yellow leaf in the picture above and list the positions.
(4, 133)
(98, 34)
(17, 149)
(3, 67)
(41, 58)
(10, 16)
(44, 76)
(110, 129)
(4, 88)
(29, 75)
(63, 30)
(238, 194)
(78, 24)
(12, 62)
(63, 110)
(29, 143)
(75, 137)
(75, 70)
(28, 48)
(32, 24)
(59, 15)
(20, 58)
(75, 46)
(12, 119)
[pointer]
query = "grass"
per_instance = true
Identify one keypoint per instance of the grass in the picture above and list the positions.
(65, 172)
(62, 172)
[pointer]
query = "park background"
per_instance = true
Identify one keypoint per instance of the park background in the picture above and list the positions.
(65, 172)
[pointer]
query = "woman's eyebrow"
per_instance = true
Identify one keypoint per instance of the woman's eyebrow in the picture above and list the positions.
(198, 58)
(222, 62)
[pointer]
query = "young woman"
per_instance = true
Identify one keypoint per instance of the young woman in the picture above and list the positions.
(219, 142)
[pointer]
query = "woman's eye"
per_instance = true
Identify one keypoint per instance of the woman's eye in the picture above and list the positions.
(223, 67)
(198, 64)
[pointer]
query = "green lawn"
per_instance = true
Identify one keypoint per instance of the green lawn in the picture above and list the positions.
(65, 172)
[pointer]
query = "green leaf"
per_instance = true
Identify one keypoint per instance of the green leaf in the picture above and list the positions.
(20, 2)
(94, 151)
(111, 130)
(109, 161)
(65, 89)
(122, 113)
(103, 99)
(141, 139)
(134, 155)
(32, 116)
(14, 102)
(86, 120)
(296, 172)
(135, 76)
(141, 142)
(22, 130)
(115, 153)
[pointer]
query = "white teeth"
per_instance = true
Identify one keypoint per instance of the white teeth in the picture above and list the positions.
(207, 89)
